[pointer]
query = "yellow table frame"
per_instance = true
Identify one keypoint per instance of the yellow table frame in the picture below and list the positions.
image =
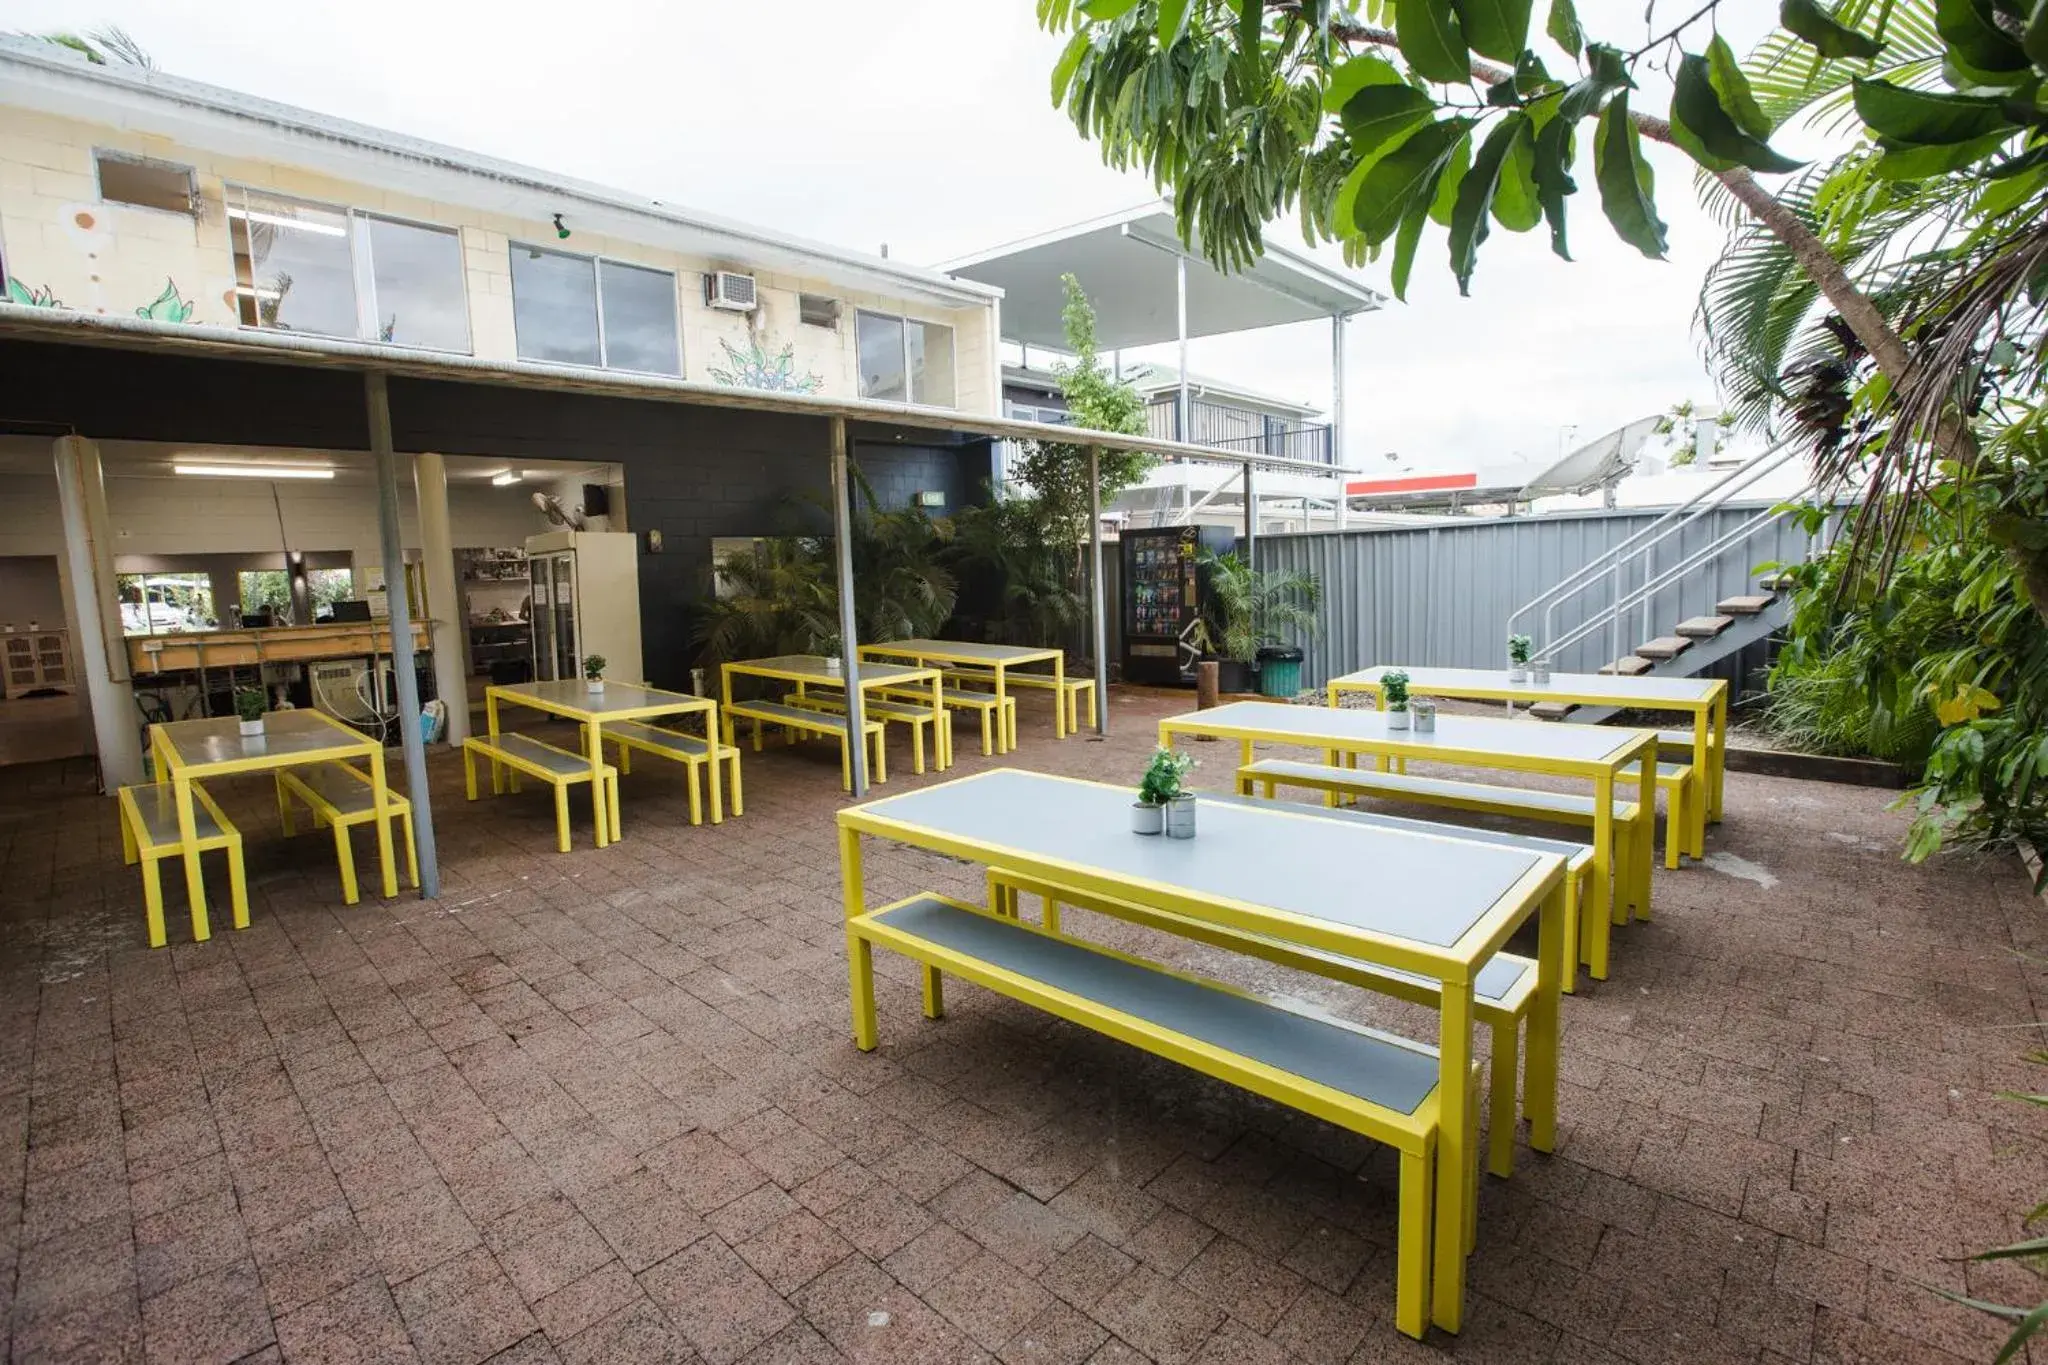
(182, 772)
(942, 729)
(1613, 890)
(1006, 738)
(1709, 713)
(1539, 891)
(592, 723)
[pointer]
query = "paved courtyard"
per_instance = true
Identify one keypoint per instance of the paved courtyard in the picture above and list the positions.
(604, 1107)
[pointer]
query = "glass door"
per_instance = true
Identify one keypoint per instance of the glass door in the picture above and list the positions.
(543, 625)
(568, 658)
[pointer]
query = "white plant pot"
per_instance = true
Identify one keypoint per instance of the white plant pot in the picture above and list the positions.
(594, 686)
(251, 728)
(1398, 720)
(1147, 818)
(1425, 720)
(834, 665)
(1180, 818)
(1539, 672)
(1518, 673)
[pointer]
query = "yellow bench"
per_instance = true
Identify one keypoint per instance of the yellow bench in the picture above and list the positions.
(558, 768)
(961, 699)
(341, 796)
(917, 718)
(1701, 802)
(796, 720)
(1071, 689)
(149, 834)
(1632, 852)
(690, 751)
(1370, 1082)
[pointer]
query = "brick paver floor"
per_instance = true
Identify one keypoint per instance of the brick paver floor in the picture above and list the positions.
(604, 1107)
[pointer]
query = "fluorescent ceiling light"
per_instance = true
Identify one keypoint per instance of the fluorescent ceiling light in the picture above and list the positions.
(295, 224)
(257, 471)
(508, 478)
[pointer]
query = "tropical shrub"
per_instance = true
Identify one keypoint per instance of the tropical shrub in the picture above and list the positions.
(1255, 606)
(1016, 576)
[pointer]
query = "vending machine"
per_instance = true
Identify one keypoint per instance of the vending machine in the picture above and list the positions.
(1165, 591)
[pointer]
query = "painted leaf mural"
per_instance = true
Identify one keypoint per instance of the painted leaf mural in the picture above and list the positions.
(168, 306)
(754, 367)
(17, 292)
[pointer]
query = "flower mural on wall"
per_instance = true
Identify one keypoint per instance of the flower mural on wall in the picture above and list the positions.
(755, 368)
(168, 306)
(17, 292)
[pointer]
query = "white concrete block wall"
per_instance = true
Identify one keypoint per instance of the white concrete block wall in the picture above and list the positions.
(57, 235)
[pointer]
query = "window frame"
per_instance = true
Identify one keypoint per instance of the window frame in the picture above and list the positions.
(362, 265)
(192, 196)
(596, 261)
(903, 321)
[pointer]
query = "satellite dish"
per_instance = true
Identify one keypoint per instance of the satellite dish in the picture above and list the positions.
(551, 507)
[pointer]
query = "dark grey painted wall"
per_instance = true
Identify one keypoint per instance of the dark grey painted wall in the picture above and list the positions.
(692, 473)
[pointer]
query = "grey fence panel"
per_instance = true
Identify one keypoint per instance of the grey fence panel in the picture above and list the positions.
(1441, 595)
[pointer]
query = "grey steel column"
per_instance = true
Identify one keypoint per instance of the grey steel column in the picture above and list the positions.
(849, 645)
(1251, 514)
(1180, 305)
(378, 391)
(1098, 619)
(1337, 414)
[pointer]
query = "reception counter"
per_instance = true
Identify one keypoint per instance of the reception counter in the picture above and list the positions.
(149, 654)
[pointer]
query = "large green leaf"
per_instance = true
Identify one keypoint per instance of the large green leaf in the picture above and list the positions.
(1563, 27)
(1379, 113)
(1627, 185)
(1476, 196)
(1809, 21)
(1173, 20)
(1102, 11)
(1251, 25)
(1495, 28)
(1552, 168)
(1732, 87)
(2035, 43)
(1356, 75)
(1447, 184)
(1409, 237)
(1516, 206)
(1430, 38)
(1898, 114)
(1404, 172)
(1708, 132)
(1972, 33)
(1924, 161)
(1070, 61)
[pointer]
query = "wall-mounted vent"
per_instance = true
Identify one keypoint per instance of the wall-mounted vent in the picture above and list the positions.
(730, 292)
(818, 310)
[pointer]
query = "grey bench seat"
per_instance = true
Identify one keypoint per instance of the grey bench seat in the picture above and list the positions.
(1478, 796)
(690, 751)
(156, 816)
(563, 763)
(654, 737)
(809, 720)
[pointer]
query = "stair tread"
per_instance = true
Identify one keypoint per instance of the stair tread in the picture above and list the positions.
(1744, 606)
(1704, 627)
(1628, 667)
(1550, 710)
(1664, 647)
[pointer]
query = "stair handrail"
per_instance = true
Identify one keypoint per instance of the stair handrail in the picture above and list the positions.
(1608, 564)
(1741, 532)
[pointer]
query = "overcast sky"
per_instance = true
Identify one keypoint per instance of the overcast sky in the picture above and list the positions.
(926, 124)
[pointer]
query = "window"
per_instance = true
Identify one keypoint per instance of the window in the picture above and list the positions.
(162, 603)
(902, 353)
(1025, 412)
(303, 267)
(271, 590)
(146, 184)
(817, 310)
(580, 310)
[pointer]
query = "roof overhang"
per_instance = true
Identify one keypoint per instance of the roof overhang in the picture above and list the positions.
(63, 325)
(1126, 263)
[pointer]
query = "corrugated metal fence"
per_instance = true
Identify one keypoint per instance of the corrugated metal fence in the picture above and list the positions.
(1440, 596)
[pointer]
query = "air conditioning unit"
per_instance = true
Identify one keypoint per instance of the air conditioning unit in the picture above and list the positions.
(730, 292)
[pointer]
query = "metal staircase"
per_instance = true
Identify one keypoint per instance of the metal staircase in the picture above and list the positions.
(1613, 595)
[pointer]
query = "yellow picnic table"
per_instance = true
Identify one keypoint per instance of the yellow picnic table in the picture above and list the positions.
(1705, 700)
(997, 659)
(188, 751)
(572, 699)
(816, 670)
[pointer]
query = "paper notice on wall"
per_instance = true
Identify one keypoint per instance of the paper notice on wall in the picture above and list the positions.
(372, 578)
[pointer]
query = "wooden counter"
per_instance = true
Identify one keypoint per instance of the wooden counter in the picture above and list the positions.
(148, 654)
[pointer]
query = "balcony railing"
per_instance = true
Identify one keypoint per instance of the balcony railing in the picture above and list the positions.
(1229, 428)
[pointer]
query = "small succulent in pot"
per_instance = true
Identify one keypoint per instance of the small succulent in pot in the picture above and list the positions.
(250, 704)
(1519, 647)
(1162, 786)
(593, 671)
(829, 648)
(1394, 688)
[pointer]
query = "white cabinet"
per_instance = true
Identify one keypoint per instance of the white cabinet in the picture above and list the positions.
(586, 600)
(34, 660)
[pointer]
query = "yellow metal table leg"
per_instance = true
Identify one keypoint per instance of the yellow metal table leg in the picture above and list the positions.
(1554, 952)
(188, 841)
(1062, 723)
(380, 803)
(1454, 1091)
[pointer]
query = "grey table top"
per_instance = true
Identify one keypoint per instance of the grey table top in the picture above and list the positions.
(963, 649)
(288, 736)
(1329, 726)
(1353, 877)
(574, 694)
(811, 668)
(1605, 686)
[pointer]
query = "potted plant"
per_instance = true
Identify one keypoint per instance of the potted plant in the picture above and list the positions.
(250, 704)
(1394, 689)
(835, 663)
(593, 673)
(1518, 657)
(1255, 608)
(1159, 790)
